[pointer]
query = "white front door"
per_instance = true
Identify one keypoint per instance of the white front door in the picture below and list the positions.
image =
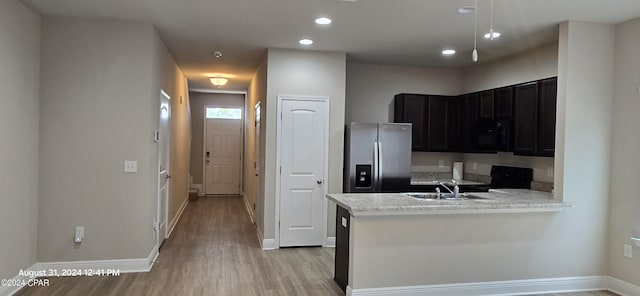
(303, 148)
(223, 131)
(163, 166)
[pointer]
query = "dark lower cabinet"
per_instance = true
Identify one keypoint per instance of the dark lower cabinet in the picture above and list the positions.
(341, 272)
(547, 117)
(526, 119)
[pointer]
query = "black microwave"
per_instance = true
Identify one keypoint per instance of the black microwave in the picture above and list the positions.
(494, 135)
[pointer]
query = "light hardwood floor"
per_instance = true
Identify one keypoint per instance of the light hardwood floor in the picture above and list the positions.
(214, 251)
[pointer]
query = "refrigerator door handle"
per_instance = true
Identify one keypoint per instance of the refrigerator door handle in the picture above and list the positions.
(376, 175)
(380, 166)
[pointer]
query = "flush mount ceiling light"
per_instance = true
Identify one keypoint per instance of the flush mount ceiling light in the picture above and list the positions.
(448, 52)
(217, 54)
(305, 41)
(218, 81)
(323, 21)
(466, 9)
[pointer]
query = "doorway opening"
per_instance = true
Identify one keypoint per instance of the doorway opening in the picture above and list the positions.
(222, 157)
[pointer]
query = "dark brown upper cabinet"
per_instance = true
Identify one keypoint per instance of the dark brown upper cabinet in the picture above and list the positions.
(503, 101)
(437, 133)
(412, 108)
(526, 119)
(547, 117)
(486, 104)
(469, 112)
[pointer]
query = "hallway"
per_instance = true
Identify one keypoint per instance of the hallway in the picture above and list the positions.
(214, 251)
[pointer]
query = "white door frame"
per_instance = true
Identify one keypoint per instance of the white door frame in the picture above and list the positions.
(204, 144)
(281, 98)
(160, 239)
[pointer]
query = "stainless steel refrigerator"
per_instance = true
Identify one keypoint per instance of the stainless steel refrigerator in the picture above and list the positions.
(377, 157)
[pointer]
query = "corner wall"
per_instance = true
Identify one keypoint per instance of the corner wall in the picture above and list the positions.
(19, 117)
(100, 93)
(311, 73)
(253, 186)
(170, 78)
(624, 221)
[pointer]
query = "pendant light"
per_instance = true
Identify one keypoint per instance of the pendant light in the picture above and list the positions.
(474, 54)
(491, 24)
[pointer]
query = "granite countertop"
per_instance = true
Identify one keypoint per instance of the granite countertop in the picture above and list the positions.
(497, 201)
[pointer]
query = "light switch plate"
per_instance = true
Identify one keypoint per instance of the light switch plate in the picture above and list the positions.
(344, 222)
(550, 171)
(441, 163)
(628, 251)
(130, 166)
(79, 234)
(475, 166)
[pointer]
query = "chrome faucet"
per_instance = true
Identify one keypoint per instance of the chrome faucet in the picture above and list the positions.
(455, 191)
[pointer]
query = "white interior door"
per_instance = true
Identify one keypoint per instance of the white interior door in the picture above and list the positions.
(303, 144)
(223, 151)
(163, 167)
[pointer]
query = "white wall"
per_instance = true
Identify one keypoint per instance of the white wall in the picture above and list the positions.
(253, 187)
(311, 73)
(100, 93)
(534, 64)
(19, 117)
(624, 221)
(370, 88)
(168, 77)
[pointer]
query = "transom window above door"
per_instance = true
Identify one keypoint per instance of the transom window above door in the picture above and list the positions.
(224, 113)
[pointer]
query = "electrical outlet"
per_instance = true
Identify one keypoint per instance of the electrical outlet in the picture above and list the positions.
(628, 251)
(441, 163)
(475, 166)
(130, 166)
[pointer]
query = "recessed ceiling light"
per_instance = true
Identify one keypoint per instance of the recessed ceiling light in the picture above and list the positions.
(323, 21)
(495, 35)
(305, 41)
(448, 52)
(466, 9)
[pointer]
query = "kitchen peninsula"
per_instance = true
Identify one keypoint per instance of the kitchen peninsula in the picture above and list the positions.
(392, 240)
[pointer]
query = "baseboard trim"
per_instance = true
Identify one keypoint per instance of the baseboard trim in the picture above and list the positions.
(269, 244)
(248, 207)
(623, 288)
(497, 288)
(330, 242)
(199, 187)
(178, 215)
(10, 290)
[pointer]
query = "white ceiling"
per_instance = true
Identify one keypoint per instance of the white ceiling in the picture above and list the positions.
(404, 32)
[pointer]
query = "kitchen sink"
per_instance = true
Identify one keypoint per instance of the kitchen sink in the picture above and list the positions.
(443, 196)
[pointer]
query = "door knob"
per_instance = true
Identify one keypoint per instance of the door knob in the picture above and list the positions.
(319, 181)
(168, 176)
